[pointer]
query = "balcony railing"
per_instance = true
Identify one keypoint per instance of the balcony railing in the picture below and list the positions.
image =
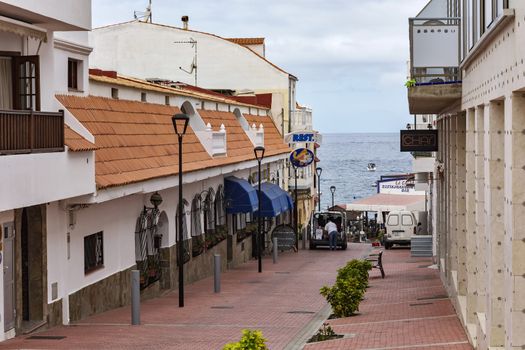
(434, 50)
(31, 132)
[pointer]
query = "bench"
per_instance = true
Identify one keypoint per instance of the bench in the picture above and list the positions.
(376, 258)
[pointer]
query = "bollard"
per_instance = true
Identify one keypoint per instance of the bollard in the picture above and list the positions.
(217, 280)
(135, 297)
(275, 249)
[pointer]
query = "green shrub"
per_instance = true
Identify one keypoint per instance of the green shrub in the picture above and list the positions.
(344, 296)
(357, 269)
(251, 340)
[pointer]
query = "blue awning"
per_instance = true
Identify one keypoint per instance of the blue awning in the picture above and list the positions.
(239, 196)
(274, 200)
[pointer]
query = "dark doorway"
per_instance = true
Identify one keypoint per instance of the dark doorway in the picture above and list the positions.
(31, 283)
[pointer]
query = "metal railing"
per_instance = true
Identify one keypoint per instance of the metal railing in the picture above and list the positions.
(31, 132)
(435, 50)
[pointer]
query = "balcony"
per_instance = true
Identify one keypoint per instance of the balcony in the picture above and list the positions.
(301, 119)
(305, 179)
(435, 78)
(23, 132)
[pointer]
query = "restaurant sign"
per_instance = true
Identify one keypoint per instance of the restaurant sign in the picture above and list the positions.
(303, 137)
(419, 140)
(301, 157)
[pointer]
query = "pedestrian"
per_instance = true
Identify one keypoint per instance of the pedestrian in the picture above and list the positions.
(331, 228)
(419, 229)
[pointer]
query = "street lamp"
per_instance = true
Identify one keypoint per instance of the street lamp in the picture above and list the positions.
(259, 155)
(180, 124)
(332, 189)
(318, 171)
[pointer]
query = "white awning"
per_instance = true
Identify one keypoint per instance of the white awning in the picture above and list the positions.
(21, 28)
(382, 202)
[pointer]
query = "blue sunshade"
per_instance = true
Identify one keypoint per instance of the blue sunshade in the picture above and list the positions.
(239, 196)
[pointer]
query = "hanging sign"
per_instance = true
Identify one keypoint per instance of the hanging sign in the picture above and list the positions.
(419, 140)
(301, 157)
(303, 137)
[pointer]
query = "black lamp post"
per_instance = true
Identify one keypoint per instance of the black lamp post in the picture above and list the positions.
(180, 124)
(332, 189)
(295, 215)
(318, 171)
(259, 155)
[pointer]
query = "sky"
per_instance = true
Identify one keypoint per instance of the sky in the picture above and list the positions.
(350, 55)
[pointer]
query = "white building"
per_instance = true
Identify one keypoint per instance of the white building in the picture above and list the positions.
(478, 96)
(43, 51)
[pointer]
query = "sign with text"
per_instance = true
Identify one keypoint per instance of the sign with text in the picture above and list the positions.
(419, 140)
(398, 186)
(303, 137)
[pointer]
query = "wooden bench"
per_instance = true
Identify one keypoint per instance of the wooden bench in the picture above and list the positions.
(376, 258)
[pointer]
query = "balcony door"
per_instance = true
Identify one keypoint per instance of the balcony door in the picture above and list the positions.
(6, 82)
(26, 82)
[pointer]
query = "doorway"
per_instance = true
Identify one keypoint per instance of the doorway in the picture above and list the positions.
(30, 280)
(9, 275)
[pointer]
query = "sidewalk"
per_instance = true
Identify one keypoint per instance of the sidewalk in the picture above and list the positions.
(406, 310)
(409, 309)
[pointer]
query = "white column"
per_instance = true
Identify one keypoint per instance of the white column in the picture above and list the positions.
(461, 195)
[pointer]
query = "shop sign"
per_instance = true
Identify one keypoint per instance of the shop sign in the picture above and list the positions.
(419, 140)
(303, 137)
(301, 157)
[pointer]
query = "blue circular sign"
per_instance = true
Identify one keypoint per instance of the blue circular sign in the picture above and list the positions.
(301, 157)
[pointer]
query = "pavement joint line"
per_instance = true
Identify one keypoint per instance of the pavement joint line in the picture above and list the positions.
(419, 345)
(396, 320)
(306, 332)
(404, 302)
(181, 325)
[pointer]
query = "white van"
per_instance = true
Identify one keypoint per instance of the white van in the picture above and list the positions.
(400, 226)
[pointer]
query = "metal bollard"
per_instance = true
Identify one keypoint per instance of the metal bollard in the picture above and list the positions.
(135, 297)
(217, 274)
(275, 250)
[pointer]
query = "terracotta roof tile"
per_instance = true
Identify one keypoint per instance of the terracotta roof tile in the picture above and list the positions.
(136, 142)
(75, 142)
(247, 41)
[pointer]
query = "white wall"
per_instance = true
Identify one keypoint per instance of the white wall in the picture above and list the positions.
(65, 15)
(141, 50)
(45, 177)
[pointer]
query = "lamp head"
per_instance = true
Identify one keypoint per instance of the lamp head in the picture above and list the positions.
(259, 153)
(408, 126)
(318, 171)
(155, 199)
(332, 189)
(180, 123)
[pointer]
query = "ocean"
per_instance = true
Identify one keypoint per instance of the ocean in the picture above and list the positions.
(344, 159)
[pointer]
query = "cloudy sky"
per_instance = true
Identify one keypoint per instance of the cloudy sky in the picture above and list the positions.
(349, 55)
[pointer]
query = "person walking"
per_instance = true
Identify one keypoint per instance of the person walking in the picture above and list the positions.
(331, 228)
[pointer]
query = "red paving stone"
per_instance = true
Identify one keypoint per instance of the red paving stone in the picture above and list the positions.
(406, 310)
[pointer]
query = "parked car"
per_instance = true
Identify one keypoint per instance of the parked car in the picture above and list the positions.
(319, 236)
(400, 227)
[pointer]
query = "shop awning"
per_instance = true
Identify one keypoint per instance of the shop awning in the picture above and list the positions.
(274, 200)
(239, 196)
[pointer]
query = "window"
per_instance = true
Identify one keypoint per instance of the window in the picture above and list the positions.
(143, 97)
(196, 228)
(209, 212)
(167, 100)
(114, 93)
(406, 220)
(184, 225)
(393, 220)
(72, 74)
(220, 213)
(93, 252)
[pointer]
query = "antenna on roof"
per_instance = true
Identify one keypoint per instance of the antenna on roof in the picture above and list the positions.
(193, 67)
(145, 16)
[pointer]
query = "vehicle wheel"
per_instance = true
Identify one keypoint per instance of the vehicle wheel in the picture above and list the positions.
(312, 246)
(344, 246)
(388, 245)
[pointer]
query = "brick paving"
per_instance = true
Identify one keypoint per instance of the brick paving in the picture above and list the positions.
(409, 309)
(406, 310)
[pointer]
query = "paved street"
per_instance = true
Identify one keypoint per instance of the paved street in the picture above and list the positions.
(406, 310)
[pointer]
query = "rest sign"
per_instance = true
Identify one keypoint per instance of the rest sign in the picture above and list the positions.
(303, 137)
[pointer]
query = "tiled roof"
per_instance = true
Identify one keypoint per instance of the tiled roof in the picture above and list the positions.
(247, 41)
(136, 141)
(75, 142)
(273, 140)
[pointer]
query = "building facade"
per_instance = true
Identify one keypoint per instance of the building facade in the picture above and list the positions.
(479, 208)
